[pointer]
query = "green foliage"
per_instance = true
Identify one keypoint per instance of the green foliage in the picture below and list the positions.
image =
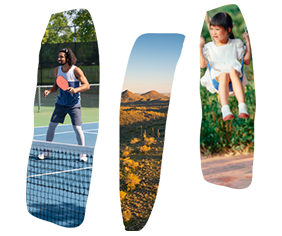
(217, 136)
(82, 17)
(56, 32)
(60, 27)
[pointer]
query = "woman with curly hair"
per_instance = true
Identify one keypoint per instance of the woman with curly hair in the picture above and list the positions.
(68, 102)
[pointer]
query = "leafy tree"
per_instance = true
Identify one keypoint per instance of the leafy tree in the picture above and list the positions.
(56, 31)
(85, 33)
(61, 28)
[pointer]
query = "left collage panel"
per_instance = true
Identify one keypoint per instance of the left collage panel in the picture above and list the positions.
(66, 116)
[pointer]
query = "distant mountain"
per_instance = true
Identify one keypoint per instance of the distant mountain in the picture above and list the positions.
(128, 96)
(166, 94)
(153, 95)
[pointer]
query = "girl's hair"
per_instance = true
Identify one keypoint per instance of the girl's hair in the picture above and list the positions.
(69, 55)
(224, 20)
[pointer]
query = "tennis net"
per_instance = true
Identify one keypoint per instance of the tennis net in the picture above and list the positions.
(58, 186)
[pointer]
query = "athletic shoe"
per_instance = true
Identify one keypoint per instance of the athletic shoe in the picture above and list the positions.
(43, 155)
(83, 157)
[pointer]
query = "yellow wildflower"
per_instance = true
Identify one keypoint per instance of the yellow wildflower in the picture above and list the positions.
(122, 195)
(132, 180)
(125, 153)
(135, 140)
(144, 149)
(126, 215)
(149, 141)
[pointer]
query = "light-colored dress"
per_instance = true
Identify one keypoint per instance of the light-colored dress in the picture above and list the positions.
(223, 59)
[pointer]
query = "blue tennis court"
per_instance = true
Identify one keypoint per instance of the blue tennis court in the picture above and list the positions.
(65, 134)
(58, 186)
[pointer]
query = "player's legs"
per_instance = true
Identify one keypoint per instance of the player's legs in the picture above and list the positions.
(51, 131)
(49, 137)
(58, 116)
(75, 114)
(79, 134)
(80, 139)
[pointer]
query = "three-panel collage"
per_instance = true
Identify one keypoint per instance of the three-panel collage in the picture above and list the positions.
(141, 117)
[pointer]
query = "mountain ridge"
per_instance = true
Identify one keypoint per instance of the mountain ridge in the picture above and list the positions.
(152, 95)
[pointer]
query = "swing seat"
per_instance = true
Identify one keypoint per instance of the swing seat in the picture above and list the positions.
(215, 82)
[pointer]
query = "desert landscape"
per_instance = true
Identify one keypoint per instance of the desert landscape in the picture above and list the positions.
(142, 133)
(142, 130)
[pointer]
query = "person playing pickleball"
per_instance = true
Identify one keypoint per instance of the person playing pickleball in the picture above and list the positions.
(68, 100)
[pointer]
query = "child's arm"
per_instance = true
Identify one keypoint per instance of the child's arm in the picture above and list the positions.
(203, 62)
(248, 54)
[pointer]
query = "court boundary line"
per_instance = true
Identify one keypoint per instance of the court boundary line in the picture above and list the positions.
(65, 144)
(87, 131)
(58, 172)
(64, 124)
(65, 132)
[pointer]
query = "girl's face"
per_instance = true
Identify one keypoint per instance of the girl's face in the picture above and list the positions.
(219, 34)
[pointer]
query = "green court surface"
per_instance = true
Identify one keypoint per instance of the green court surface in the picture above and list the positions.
(88, 115)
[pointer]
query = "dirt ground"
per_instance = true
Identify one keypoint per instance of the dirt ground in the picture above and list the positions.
(233, 171)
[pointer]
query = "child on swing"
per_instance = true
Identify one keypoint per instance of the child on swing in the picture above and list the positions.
(223, 55)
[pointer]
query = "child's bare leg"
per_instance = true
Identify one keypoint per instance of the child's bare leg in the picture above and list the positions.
(239, 93)
(237, 86)
(223, 90)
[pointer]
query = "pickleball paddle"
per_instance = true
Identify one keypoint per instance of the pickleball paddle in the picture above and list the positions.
(62, 83)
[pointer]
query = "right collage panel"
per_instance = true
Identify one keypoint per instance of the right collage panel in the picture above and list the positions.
(228, 99)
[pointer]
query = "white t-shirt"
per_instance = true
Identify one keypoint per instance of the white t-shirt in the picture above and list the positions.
(223, 59)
